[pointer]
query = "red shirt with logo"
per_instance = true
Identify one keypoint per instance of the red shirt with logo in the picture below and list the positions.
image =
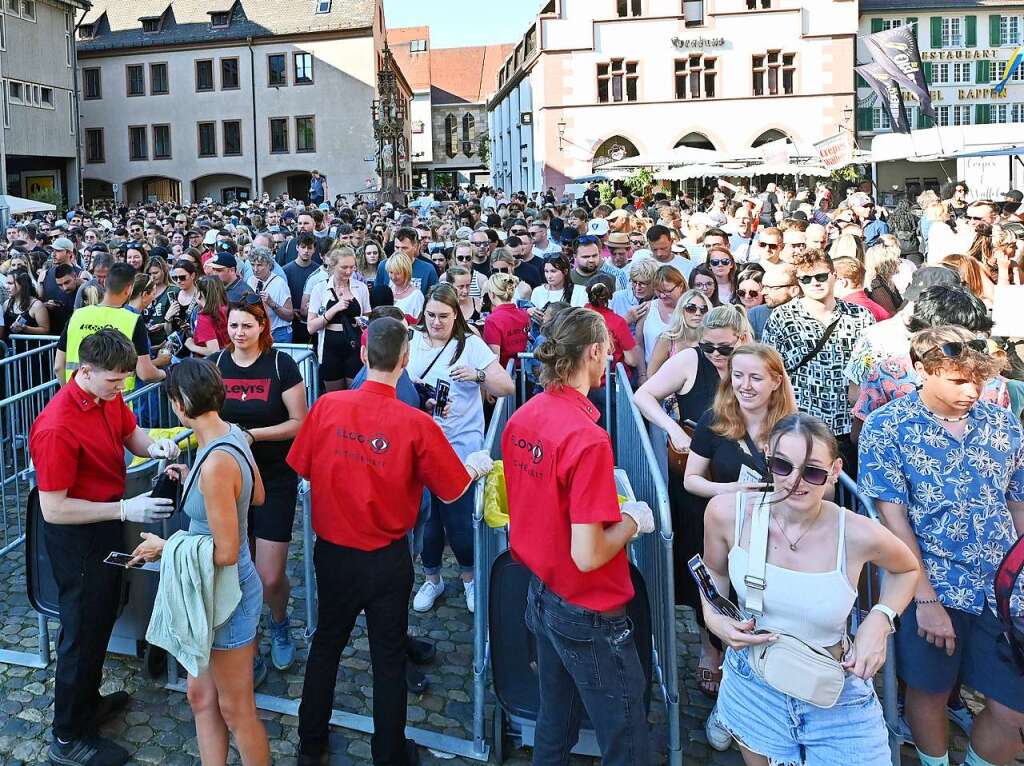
(508, 328)
(77, 444)
(367, 457)
(618, 331)
(559, 472)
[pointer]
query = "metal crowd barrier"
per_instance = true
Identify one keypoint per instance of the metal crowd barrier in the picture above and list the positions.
(652, 554)
(849, 496)
(525, 385)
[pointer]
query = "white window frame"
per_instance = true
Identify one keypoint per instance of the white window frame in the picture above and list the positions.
(888, 24)
(323, 6)
(962, 114)
(1007, 24)
(1007, 113)
(952, 32)
(42, 101)
(26, 14)
(20, 98)
(3, 31)
(13, 8)
(942, 115)
(941, 73)
(880, 119)
(6, 104)
(963, 72)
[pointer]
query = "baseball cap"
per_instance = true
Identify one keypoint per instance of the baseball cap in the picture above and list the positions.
(929, 276)
(63, 243)
(324, 206)
(211, 237)
(598, 227)
(860, 199)
(226, 246)
(224, 260)
(617, 214)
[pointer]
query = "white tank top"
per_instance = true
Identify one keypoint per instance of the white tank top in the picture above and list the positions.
(653, 328)
(813, 606)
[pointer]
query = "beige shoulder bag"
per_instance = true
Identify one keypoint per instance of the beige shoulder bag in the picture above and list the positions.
(789, 664)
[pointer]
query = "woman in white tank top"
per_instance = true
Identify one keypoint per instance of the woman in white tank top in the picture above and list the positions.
(669, 286)
(816, 552)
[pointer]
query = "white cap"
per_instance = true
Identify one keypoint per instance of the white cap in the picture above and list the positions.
(598, 227)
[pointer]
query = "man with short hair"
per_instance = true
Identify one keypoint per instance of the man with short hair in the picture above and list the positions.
(816, 237)
(815, 335)
(305, 224)
(946, 473)
(741, 240)
(317, 188)
(850, 287)
(424, 275)
(484, 248)
(588, 261)
(542, 244)
(794, 244)
(659, 240)
(298, 273)
(982, 211)
(101, 264)
(779, 286)
(77, 445)
(224, 266)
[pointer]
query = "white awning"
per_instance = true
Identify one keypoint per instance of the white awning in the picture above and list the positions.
(949, 142)
(19, 205)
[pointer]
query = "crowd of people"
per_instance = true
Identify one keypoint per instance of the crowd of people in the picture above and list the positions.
(774, 339)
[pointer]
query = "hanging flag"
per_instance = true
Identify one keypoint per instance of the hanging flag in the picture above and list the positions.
(889, 94)
(895, 50)
(1015, 62)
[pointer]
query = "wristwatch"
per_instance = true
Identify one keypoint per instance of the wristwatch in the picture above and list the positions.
(889, 613)
(481, 376)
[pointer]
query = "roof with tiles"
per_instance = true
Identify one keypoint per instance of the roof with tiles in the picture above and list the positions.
(118, 24)
(414, 65)
(466, 75)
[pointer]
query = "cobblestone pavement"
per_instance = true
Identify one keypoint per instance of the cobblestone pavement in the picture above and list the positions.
(159, 728)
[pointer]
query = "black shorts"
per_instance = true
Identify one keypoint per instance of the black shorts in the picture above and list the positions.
(275, 518)
(341, 358)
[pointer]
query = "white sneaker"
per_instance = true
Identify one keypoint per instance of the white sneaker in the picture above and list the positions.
(470, 586)
(718, 737)
(427, 595)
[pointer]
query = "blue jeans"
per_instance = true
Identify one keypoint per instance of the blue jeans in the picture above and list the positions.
(586, 663)
(453, 521)
(282, 335)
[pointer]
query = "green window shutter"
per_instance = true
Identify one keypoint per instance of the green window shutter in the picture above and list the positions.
(861, 82)
(927, 72)
(923, 120)
(971, 31)
(984, 69)
(936, 31)
(994, 32)
(865, 120)
(913, 21)
(876, 25)
(982, 114)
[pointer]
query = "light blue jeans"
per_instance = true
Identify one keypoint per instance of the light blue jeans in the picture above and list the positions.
(789, 731)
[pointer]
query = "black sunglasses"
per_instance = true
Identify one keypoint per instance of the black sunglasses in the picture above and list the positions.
(248, 298)
(748, 293)
(809, 473)
(821, 278)
(721, 261)
(696, 308)
(180, 277)
(955, 349)
(724, 349)
(501, 271)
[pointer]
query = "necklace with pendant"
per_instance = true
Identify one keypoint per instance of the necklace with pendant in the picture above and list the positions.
(794, 543)
(958, 419)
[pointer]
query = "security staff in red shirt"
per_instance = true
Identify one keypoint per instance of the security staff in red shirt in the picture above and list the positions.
(567, 529)
(77, 445)
(367, 457)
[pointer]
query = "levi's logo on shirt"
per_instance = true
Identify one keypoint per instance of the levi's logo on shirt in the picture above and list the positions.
(248, 390)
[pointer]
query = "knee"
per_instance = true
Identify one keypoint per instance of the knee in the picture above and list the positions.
(202, 698)
(236, 711)
(274, 580)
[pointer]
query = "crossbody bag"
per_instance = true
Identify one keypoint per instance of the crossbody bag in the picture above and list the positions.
(790, 664)
(809, 356)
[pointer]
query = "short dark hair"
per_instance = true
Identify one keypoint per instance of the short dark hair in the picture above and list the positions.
(949, 305)
(307, 240)
(386, 338)
(63, 270)
(197, 385)
(120, 278)
(379, 312)
(407, 234)
(714, 231)
(658, 231)
(109, 350)
(102, 258)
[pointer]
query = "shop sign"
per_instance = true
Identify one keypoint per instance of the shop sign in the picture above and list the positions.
(836, 151)
(693, 43)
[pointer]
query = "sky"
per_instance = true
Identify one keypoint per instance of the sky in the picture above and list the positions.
(454, 23)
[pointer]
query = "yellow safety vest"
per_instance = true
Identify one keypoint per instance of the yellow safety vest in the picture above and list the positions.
(89, 319)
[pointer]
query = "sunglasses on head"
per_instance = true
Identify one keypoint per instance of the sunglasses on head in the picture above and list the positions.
(748, 293)
(588, 239)
(809, 473)
(721, 261)
(696, 308)
(955, 349)
(247, 298)
(723, 349)
(820, 278)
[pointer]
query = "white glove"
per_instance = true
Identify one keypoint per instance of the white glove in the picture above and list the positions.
(165, 449)
(144, 509)
(479, 464)
(642, 514)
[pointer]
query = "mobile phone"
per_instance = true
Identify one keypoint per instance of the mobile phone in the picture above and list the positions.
(524, 304)
(441, 399)
(121, 560)
(707, 586)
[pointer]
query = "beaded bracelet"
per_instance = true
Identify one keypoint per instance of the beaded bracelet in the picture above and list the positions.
(926, 602)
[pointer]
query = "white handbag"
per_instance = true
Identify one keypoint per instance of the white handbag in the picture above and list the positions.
(789, 664)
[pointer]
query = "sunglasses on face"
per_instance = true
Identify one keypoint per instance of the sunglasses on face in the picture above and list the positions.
(721, 262)
(723, 349)
(821, 278)
(770, 245)
(956, 349)
(779, 466)
(463, 258)
(975, 218)
(748, 293)
(179, 277)
(502, 271)
(695, 308)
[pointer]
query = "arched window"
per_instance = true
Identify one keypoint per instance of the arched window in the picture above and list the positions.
(614, 149)
(767, 137)
(451, 135)
(468, 126)
(695, 141)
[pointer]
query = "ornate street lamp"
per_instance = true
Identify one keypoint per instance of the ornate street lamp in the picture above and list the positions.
(389, 117)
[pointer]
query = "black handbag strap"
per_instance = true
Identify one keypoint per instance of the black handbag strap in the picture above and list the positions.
(757, 455)
(817, 347)
(423, 375)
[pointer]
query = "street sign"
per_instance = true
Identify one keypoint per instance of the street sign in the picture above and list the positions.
(115, 188)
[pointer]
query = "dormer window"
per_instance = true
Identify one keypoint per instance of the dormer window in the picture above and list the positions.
(220, 19)
(323, 6)
(86, 32)
(417, 46)
(151, 25)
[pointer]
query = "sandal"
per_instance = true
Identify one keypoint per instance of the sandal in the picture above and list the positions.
(709, 680)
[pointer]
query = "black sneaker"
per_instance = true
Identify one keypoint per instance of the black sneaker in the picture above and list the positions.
(412, 753)
(420, 652)
(87, 751)
(416, 682)
(110, 705)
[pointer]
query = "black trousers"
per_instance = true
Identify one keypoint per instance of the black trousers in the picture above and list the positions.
(350, 581)
(89, 593)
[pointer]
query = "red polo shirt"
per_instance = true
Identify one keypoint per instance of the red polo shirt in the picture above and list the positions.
(367, 457)
(508, 328)
(77, 444)
(559, 472)
(622, 339)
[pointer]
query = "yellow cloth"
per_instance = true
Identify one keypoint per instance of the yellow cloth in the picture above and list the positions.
(156, 434)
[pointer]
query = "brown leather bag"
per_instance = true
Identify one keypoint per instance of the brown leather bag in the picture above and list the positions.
(676, 459)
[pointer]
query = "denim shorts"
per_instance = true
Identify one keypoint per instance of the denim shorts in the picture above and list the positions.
(981, 659)
(789, 731)
(240, 629)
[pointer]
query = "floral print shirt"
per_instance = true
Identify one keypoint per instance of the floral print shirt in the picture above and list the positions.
(955, 492)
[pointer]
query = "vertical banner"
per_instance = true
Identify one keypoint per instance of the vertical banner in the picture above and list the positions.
(889, 94)
(895, 50)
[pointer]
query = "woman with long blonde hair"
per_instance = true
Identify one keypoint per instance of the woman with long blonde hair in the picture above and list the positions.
(683, 328)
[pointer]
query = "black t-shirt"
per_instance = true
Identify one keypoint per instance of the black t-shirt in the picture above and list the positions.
(51, 292)
(140, 338)
(255, 400)
(529, 273)
(297, 277)
(725, 455)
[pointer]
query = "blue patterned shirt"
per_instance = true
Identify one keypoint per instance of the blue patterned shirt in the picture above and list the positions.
(955, 492)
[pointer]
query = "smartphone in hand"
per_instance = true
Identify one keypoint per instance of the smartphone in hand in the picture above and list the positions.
(441, 399)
